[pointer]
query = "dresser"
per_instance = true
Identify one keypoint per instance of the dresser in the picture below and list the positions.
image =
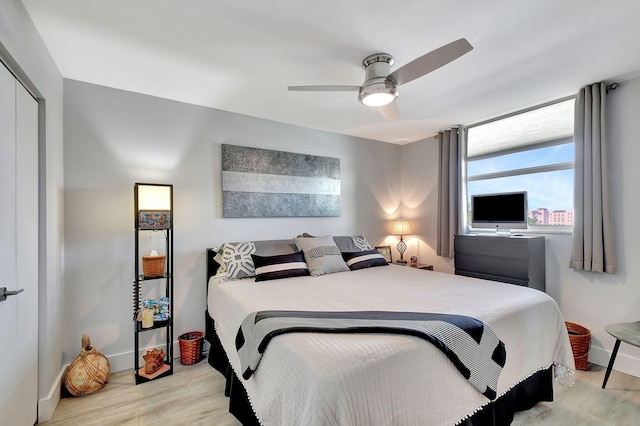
(511, 259)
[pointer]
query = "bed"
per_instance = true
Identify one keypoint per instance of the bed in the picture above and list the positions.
(376, 378)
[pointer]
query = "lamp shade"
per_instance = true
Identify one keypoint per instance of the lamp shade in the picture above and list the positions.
(153, 206)
(401, 227)
(154, 197)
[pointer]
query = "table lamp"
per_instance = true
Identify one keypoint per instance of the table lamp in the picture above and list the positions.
(401, 227)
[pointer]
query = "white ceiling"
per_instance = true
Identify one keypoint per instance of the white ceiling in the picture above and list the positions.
(240, 56)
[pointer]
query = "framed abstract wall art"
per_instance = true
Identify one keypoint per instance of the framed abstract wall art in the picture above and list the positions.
(266, 183)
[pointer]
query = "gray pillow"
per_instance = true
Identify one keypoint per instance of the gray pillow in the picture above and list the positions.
(322, 255)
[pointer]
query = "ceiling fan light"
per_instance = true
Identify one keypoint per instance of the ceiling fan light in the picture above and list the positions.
(378, 94)
(378, 99)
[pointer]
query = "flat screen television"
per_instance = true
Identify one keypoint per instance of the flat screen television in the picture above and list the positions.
(499, 211)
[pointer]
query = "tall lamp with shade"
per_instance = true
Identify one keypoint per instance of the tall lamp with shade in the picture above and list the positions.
(401, 227)
(153, 211)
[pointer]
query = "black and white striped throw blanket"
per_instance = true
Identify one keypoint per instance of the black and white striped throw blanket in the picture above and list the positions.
(469, 343)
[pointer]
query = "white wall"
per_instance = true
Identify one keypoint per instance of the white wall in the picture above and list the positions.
(590, 299)
(115, 138)
(22, 42)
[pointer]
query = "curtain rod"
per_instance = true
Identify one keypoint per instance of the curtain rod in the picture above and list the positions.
(612, 87)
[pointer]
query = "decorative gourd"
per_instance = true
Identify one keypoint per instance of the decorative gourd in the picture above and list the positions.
(154, 360)
(87, 373)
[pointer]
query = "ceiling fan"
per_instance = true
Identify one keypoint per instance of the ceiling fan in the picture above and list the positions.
(380, 87)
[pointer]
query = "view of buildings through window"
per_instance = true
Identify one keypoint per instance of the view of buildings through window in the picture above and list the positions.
(544, 216)
(530, 151)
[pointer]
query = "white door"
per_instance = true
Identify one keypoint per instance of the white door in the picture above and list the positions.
(18, 252)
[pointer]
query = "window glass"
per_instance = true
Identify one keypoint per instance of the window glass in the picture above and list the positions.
(532, 152)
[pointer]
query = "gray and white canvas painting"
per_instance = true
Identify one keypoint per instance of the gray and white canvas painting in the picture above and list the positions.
(265, 183)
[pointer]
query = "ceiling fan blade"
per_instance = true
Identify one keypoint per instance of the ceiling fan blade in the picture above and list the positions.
(430, 61)
(336, 88)
(390, 112)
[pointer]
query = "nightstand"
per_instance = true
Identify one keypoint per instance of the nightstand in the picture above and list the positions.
(425, 266)
(422, 266)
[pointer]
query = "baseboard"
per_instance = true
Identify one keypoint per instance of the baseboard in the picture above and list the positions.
(624, 363)
(118, 362)
(124, 361)
(47, 406)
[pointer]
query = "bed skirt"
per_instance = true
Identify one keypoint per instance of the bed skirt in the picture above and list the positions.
(537, 388)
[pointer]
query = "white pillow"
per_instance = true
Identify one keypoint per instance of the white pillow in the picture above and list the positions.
(321, 254)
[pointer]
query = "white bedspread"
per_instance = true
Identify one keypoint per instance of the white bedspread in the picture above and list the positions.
(325, 379)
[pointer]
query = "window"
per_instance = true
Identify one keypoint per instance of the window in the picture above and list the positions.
(529, 151)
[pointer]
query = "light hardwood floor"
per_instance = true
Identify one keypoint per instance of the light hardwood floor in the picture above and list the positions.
(193, 395)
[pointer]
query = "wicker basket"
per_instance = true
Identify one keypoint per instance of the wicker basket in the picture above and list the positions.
(153, 266)
(191, 347)
(580, 339)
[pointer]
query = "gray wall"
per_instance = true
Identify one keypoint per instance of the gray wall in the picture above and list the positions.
(115, 138)
(23, 45)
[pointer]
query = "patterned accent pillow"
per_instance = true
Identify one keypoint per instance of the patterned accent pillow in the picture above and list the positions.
(237, 259)
(321, 254)
(222, 269)
(361, 242)
(279, 266)
(364, 259)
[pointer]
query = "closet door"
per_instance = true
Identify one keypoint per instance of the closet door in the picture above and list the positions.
(18, 252)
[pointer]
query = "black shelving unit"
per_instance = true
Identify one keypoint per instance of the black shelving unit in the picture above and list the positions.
(165, 281)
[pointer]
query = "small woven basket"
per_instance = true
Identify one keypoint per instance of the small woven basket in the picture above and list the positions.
(153, 266)
(580, 339)
(191, 347)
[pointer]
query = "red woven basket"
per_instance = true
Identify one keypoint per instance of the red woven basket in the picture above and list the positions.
(191, 347)
(580, 339)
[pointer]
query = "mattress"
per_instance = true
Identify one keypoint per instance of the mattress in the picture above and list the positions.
(375, 379)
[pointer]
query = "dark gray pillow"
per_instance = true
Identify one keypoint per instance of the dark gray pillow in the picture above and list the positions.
(273, 247)
(364, 259)
(279, 266)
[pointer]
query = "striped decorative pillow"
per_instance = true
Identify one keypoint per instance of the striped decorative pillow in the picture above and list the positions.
(364, 259)
(279, 266)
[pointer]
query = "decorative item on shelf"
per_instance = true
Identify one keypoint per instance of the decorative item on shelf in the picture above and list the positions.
(191, 347)
(87, 373)
(147, 318)
(159, 308)
(137, 302)
(154, 219)
(414, 261)
(401, 227)
(153, 360)
(153, 264)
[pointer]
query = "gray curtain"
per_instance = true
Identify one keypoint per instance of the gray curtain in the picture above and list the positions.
(593, 243)
(448, 191)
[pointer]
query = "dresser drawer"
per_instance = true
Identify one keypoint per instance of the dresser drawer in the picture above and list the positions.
(502, 247)
(517, 269)
(516, 260)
